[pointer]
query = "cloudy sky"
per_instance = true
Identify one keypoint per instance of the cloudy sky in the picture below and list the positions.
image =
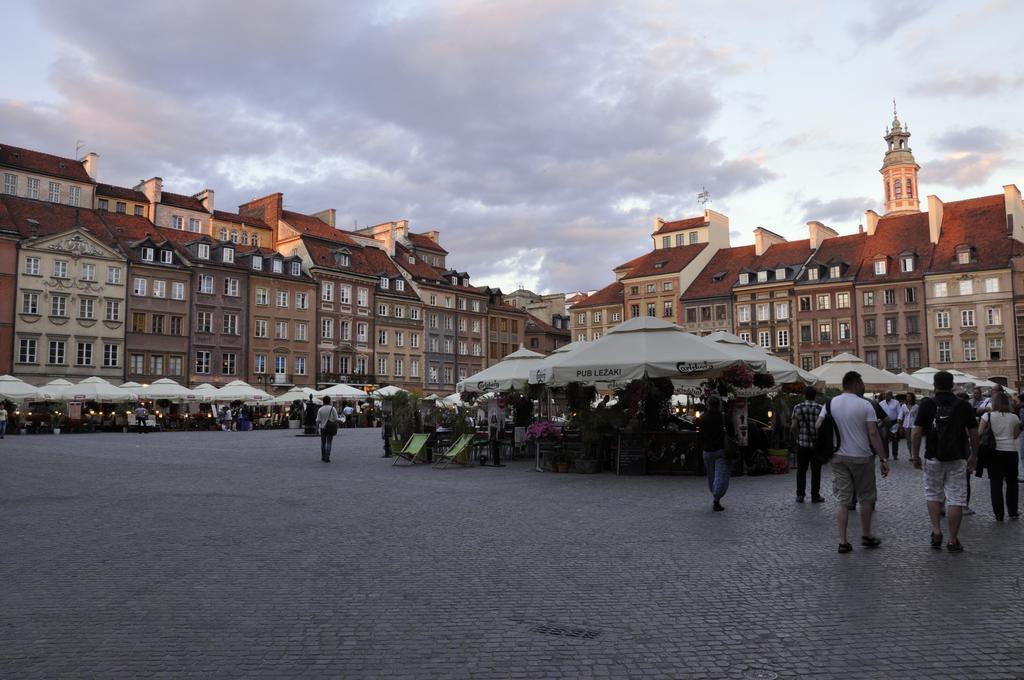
(540, 137)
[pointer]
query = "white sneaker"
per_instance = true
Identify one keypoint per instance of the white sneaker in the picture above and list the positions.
(968, 511)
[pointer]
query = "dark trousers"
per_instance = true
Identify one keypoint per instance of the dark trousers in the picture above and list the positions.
(1002, 472)
(805, 459)
(141, 424)
(894, 445)
(325, 445)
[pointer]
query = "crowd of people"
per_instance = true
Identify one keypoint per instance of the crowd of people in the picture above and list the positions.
(950, 436)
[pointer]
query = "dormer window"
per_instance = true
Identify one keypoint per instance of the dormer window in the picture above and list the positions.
(412, 259)
(780, 274)
(744, 278)
(203, 251)
(343, 258)
(693, 237)
(275, 264)
(879, 267)
(907, 263)
(257, 262)
(718, 277)
(455, 280)
(964, 254)
(228, 255)
(659, 265)
(296, 269)
(812, 274)
(762, 275)
(147, 254)
(166, 256)
(400, 284)
(835, 271)
(384, 282)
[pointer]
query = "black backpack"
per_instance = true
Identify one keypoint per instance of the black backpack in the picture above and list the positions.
(827, 442)
(948, 442)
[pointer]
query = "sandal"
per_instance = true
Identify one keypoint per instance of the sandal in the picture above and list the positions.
(937, 541)
(845, 548)
(870, 541)
(955, 547)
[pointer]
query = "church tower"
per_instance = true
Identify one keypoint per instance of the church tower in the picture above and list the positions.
(899, 170)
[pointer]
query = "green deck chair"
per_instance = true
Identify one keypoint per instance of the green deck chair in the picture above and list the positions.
(456, 453)
(413, 449)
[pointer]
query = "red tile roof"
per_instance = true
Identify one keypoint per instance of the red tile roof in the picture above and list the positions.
(121, 192)
(181, 201)
(239, 219)
(680, 225)
(894, 236)
(312, 226)
(788, 254)
(630, 263)
(721, 273)
(50, 218)
(979, 223)
(535, 325)
(415, 266)
(839, 250)
(612, 294)
(665, 261)
(43, 163)
(426, 243)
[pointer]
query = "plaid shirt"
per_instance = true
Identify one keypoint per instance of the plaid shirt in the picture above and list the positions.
(805, 415)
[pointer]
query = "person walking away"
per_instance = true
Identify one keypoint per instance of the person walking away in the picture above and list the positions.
(909, 413)
(349, 412)
(1020, 439)
(1002, 462)
(893, 409)
(327, 423)
(141, 415)
(712, 434)
(802, 427)
(950, 429)
(3, 419)
(853, 466)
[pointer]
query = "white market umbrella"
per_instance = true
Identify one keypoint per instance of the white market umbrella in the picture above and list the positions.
(542, 369)
(341, 391)
(167, 389)
(511, 373)
(96, 389)
(57, 385)
(295, 394)
(18, 390)
(644, 347)
(959, 377)
(389, 391)
(130, 385)
(239, 390)
(783, 371)
(915, 383)
(875, 379)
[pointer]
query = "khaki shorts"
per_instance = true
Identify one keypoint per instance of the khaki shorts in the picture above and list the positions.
(854, 475)
(945, 481)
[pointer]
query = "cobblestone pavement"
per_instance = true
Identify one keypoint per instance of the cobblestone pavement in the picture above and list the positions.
(242, 555)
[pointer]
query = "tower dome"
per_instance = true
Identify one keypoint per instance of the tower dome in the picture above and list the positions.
(899, 169)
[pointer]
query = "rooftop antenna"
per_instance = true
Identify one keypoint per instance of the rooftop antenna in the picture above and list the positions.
(704, 197)
(78, 146)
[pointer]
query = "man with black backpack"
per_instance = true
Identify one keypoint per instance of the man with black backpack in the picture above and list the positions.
(949, 424)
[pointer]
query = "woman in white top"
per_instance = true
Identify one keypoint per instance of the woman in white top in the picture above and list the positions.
(1002, 463)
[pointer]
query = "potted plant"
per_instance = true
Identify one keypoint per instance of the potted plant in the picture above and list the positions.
(548, 437)
(294, 415)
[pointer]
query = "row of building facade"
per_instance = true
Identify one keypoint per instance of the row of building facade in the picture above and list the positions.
(139, 284)
(912, 288)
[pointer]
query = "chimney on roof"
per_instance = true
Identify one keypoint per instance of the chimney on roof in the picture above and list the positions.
(1014, 212)
(764, 239)
(934, 218)
(401, 228)
(328, 217)
(871, 217)
(860, 228)
(206, 198)
(90, 162)
(152, 187)
(818, 232)
(658, 223)
(434, 235)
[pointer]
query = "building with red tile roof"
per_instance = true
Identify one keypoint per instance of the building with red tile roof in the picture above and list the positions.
(596, 314)
(178, 211)
(42, 176)
(544, 337)
(506, 327)
(707, 301)
(121, 200)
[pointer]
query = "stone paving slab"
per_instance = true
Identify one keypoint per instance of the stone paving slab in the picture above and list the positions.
(242, 555)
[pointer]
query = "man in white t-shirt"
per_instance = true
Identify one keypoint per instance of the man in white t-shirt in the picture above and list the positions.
(853, 466)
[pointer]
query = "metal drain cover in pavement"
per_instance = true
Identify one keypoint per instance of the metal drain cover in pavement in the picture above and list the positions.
(760, 675)
(568, 631)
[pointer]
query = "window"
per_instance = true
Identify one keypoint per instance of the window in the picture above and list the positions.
(616, 316)
(913, 358)
(691, 315)
(228, 255)
(227, 363)
(782, 338)
(206, 284)
(32, 266)
(382, 310)
(257, 262)
(31, 187)
(889, 296)
(967, 286)
(666, 286)
(261, 328)
(995, 349)
(824, 301)
(869, 327)
(177, 290)
(879, 267)
(970, 350)
(870, 357)
(54, 193)
(139, 287)
(844, 330)
(897, 186)
(345, 295)
(204, 322)
(281, 330)
(764, 339)
(911, 322)
(111, 355)
(890, 325)
(744, 278)
(963, 257)
(363, 297)
(780, 273)
(744, 336)
(651, 288)
(414, 340)
(907, 263)
(121, 207)
(57, 352)
(173, 365)
(345, 330)
(88, 272)
(230, 324)
(203, 251)
(910, 295)
(666, 241)
(762, 276)
(967, 318)
(114, 275)
(869, 298)
(992, 285)
(156, 365)
(652, 309)
(276, 265)
(362, 331)
(30, 303)
(234, 236)
(58, 305)
(147, 254)
(326, 328)
(297, 269)
(812, 274)
(764, 312)
(282, 299)
(138, 322)
(945, 353)
(835, 271)
(261, 296)
(203, 362)
(597, 319)
(805, 303)
(177, 325)
(138, 364)
(942, 319)
(159, 289)
(140, 212)
(667, 309)
(10, 184)
(300, 331)
(634, 311)
(177, 222)
(231, 286)
(113, 310)
(744, 313)
(941, 289)
(382, 337)
(842, 300)
(301, 301)
(27, 351)
(993, 316)
(825, 333)
(327, 291)
(193, 225)
(60, 269)
(892, 359)
(300, 365)
(86, 308)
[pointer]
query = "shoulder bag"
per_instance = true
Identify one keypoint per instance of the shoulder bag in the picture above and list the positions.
(827, 441)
